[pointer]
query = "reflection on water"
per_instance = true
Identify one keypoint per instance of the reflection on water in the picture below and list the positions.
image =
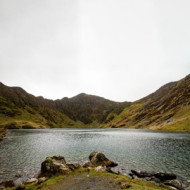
(22, 151)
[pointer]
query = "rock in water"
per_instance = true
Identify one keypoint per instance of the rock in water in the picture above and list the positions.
(159, 175)
(99, 159)
(165, 176)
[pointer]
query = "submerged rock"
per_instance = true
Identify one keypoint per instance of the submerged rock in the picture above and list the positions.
(98, 158)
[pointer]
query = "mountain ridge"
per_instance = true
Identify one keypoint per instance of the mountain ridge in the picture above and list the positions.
(168, 108)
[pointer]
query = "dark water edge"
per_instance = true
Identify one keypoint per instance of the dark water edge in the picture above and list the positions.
(22, 151)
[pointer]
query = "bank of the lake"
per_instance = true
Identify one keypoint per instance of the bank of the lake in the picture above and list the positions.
(2, 133)
(92, 180)
(96, 173)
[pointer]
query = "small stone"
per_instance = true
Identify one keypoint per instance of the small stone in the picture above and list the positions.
(100, 169)
(73, 166)
(113, 170)
(32, 180)
(86, 164)
(41, 179)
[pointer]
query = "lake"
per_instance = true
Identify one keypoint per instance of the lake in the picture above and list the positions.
(22, 151)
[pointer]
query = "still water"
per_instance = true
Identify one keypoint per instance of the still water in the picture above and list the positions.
(22, 151)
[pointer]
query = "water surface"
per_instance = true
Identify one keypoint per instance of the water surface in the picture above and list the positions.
(22, 151)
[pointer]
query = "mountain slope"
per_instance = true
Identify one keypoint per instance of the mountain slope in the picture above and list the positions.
(168, 109)
(20, 109)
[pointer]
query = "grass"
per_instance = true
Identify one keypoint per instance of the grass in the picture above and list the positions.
(85, 179)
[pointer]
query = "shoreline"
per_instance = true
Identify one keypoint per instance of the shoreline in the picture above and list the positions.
(2, 133)
(55, 168)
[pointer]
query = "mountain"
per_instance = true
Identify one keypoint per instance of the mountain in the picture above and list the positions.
(166, 109)
(21, 109)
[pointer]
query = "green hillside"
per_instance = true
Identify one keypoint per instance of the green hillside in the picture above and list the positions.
(166, 109)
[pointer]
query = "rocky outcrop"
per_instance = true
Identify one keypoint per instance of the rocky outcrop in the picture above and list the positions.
(99, 159)
(57, 165)
(168, 179)
(174, 183)
(159, 175)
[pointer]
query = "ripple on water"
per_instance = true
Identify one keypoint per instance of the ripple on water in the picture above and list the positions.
(23, 150)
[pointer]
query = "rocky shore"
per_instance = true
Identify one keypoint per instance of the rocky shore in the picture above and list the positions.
(98, 163)
(2, 133)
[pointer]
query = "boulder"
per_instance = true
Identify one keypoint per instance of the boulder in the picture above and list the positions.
(54, 165)
(165, 176)
(57, 165)
(99, 159)
(155, 175)
(174, 183)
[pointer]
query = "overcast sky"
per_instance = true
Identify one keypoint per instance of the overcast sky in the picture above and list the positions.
(122, 50)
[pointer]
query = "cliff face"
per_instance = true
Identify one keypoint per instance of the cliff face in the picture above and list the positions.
(168, 108)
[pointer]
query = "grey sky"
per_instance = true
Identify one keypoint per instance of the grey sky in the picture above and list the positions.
(119, 49)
